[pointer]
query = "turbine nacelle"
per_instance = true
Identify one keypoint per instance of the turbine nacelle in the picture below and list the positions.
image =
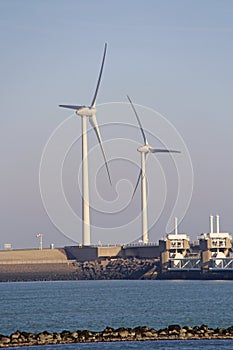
(144, 149)
(86, 111)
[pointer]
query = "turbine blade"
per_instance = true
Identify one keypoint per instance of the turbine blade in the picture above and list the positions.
(155, 150)
(99, 79)
(71, 107)
(139, 122)
(95, 126)
(135, 189)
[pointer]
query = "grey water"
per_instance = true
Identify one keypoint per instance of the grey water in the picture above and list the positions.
(72, 305)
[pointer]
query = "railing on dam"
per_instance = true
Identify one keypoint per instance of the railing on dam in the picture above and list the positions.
(140, 244)
(221, 264)
(185, 264)
(30, 262)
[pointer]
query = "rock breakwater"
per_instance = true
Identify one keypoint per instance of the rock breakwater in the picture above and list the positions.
(172, 332)
(118, 268)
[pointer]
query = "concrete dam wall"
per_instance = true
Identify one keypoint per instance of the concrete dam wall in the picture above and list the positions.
(34, 264)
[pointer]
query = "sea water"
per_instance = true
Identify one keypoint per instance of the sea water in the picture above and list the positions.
(93, 305)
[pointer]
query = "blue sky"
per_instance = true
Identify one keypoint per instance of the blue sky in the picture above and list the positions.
(171, 56)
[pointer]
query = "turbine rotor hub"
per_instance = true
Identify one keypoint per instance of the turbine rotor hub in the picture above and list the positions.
(86, 111)
(144, 149)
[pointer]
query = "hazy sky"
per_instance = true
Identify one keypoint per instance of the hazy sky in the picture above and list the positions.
(173, 56)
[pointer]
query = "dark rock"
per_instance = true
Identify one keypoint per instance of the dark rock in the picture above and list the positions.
(57, 337)
(174, 327)
(196, 329)
(108, 330)
(188, 329)
(84, 334)
(163, 331)
(65, 334)
(230, 330)
(204, 327)
(138, 330)
(220, 331)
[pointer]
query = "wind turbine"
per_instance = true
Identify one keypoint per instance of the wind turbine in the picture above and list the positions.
(88, 112)
(145, 150)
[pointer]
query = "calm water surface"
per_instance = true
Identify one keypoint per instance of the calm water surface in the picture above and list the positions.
(55, 306)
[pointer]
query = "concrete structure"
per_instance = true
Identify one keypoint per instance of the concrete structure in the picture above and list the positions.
(174, 250)
(32, 256)
(91, 253)
(35, 265)
(215, 248)
(213, 256)
(147, 251)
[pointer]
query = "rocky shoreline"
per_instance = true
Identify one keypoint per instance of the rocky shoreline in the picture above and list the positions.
(117, 268)
(172, 332)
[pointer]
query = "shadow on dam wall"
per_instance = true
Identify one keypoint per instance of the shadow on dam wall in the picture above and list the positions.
(92, 253)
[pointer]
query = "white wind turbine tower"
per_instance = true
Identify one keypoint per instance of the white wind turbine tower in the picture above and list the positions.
(88, 112)
(145, 150)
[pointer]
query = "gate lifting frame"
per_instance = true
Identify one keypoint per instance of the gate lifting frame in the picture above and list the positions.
(185, 264)
(221, 264)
